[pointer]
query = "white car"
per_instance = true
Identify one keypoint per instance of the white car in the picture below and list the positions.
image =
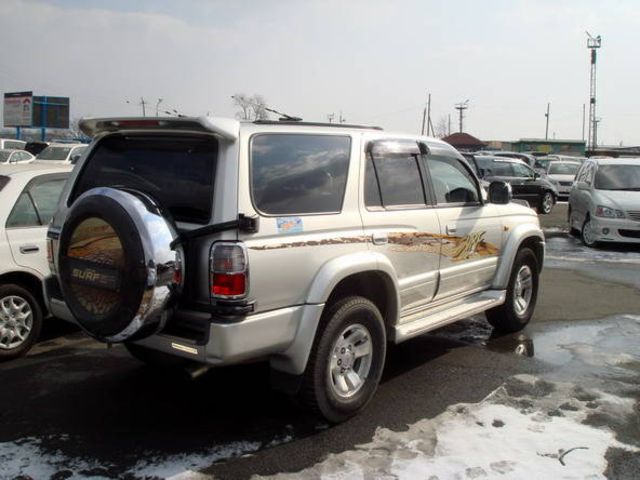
(10, 143)
(8, 156)
(28, 198)
(562, 173)
(604, 203)
(64, 153)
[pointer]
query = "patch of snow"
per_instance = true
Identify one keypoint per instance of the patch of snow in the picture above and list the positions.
(497, 437)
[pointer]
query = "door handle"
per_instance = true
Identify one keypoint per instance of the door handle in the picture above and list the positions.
(379, 238)
(29, 248)
(451, 229)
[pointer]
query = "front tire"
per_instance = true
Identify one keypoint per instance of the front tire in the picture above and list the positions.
(20, 321)
(346, 361)
(587, 234)
(546, 203)
(522, 293)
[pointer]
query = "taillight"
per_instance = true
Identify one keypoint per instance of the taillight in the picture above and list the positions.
(52, 266)
(229, 271)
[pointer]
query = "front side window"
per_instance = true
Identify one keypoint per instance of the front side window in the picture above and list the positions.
(399, 181)
(299, 173)
(521, 170)
(452, 182)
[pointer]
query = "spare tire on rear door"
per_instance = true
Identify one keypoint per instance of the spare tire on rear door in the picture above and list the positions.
(119, 273)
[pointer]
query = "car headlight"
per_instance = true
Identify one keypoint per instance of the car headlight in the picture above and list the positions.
(608, 212)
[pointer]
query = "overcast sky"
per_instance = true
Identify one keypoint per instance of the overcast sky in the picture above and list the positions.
(374, 60)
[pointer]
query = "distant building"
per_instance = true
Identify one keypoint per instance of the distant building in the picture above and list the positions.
(565, 147)
(499, 145)
(464, 142)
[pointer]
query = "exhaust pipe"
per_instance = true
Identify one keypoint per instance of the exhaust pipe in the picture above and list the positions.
(196, 370)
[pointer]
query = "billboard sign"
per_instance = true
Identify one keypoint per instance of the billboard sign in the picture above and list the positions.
(50, 112)
(18, 109)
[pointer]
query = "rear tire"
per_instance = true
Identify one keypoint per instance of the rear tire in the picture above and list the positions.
(346, 361)
(522, 292)
(20, 316)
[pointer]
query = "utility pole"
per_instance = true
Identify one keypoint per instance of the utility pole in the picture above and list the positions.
(426, 116)
(449, 129)
(158, 106)
(143, 103)
(596, 121)
(593, 44)
(583, 122)
(342, 119)
(546, 130)
(330, 117)
(461, 107)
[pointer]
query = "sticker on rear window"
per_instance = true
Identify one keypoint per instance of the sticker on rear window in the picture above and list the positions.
(289, 224)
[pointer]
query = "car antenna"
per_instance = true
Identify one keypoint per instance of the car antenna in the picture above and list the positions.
(283, 116)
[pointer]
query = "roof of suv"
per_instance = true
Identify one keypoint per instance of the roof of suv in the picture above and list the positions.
(617, 161)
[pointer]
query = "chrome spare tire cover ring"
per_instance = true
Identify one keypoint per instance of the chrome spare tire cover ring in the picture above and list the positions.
(523, 290)
(16, 321)
(350, 361)
(118, 267)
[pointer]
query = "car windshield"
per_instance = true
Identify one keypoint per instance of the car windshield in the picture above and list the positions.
(558, 168)
(54, 153)
(618, 177)
(4, 156)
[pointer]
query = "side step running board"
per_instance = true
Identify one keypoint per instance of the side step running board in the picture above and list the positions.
(441, 315)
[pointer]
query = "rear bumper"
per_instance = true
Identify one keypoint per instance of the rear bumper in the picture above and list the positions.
(284, 335)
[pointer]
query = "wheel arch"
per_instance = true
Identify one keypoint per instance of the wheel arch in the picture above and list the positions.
(31, 282)
(524, 235)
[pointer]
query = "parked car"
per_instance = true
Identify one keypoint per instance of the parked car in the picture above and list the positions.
(562, 173)
(8, 156)
(36, 147)
(526, 183)
(310, 246)
(604, 203)
(63, 153)
(527, 158)
(10, 143)
(28, 197)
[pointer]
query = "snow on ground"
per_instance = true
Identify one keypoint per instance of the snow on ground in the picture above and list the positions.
(27, 458)
(530, 427)
(567, 249)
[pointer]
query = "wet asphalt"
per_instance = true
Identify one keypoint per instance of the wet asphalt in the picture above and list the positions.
(102, 407)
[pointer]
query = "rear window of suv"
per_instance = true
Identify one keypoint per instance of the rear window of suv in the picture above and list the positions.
(177, 171)
(299, 173)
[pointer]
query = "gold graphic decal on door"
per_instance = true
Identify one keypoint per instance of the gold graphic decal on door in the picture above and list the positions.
(457, 248)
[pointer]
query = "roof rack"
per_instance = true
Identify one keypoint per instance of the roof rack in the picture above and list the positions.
(315, 124)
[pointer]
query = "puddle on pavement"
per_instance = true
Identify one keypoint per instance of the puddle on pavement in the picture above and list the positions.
(601, 348)
(567, 248)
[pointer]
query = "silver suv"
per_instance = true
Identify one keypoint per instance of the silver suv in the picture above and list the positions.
(310, 246)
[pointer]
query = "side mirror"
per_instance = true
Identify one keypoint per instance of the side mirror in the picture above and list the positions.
(500, 193)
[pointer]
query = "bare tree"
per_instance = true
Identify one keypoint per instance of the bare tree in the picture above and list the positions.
(441, 128)
(250, 107)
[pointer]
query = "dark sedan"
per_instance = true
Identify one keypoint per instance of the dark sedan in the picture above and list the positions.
(526, 184)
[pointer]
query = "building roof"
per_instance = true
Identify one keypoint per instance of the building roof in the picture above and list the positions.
(550, 140)
(464, 140)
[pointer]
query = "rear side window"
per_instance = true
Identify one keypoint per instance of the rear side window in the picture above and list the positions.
(16, 145)
(37, 203)
(299, 173)
(177, 171)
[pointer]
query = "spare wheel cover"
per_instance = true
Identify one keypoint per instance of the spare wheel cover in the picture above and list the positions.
(118, 272)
